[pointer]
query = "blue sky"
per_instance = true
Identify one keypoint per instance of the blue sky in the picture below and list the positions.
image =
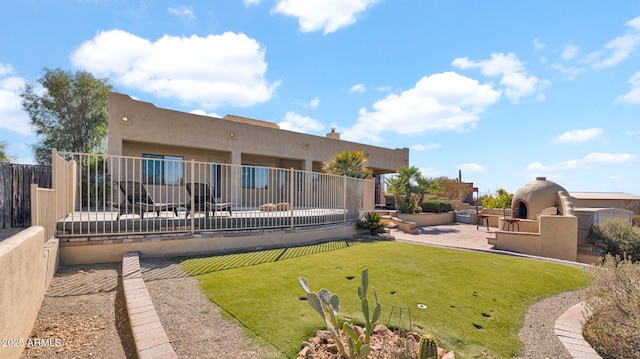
(504, 91)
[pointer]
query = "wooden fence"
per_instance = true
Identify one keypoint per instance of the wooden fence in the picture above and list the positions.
(15, 192)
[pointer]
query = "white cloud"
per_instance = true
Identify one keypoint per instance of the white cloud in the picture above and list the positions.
(212, 71)
(430, 146)
(633, 96)
(325, 15)
(183, 12)
(204, 113)
(517, 83)
(609, 158)
(12, 116)
(471, 167)
(570, 71)
(592, 160)
(314, 103)
(618, 49)
(635, 133)
(440, 102)
(251, 2)
(538, 44)
(430, 172)
(569, 52)
(298, 123)
(359, 88)
(579, 135)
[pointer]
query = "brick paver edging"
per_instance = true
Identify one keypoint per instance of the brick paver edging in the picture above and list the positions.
(150, 339)
(568, 329)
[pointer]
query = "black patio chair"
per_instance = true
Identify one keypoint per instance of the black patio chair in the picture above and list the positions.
(139, 201)
(203, 201)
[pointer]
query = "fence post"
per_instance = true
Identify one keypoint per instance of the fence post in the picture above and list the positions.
(344, 198)
(291, 194)
(193, 188)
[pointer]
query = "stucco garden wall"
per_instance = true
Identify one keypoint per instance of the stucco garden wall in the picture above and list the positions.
(28, 265)
(427, 219)
(83, 251)
(558, 238)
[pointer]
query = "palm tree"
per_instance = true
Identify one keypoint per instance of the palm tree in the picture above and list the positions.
(348, 163)
(409, 188)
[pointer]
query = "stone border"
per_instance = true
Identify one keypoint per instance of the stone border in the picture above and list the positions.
(148, 334)
(568, 329)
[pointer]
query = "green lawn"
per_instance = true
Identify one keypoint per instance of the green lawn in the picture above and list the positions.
(474, 301)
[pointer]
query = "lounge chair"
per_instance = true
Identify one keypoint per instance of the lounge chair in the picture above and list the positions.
(140, 202)
(202, 201)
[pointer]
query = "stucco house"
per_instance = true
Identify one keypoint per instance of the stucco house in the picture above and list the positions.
(141, 129)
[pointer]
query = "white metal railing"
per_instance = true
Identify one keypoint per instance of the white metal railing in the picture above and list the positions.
(121, 195)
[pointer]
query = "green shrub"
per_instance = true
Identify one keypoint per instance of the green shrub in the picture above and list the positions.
(613, 298)
(436, 205)
(617, 238)
(372, 222)
(636, 220)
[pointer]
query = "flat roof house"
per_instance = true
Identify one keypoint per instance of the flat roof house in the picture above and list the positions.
(141, 129)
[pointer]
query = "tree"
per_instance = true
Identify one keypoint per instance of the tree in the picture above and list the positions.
(453, 189)
(4, 157)
(71, 115)
(348, 163)
(409, 188)
(502, 199)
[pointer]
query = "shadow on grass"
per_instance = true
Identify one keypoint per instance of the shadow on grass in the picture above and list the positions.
(204, 265)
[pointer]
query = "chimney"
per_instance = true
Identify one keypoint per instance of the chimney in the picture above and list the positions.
(333, 134)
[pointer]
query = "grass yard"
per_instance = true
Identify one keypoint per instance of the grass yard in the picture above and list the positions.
(474, 301)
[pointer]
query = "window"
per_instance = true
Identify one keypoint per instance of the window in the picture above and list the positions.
(159, 169)
(255, 177)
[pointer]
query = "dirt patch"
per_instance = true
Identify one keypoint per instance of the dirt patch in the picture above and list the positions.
(83, 315)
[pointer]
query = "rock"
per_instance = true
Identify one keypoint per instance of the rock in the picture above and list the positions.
(324, 335)
(314, 341)
(449, 355)
(304, 353)
(380, 329)
(332, 348)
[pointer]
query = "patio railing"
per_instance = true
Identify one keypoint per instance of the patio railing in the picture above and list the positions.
(103, 195)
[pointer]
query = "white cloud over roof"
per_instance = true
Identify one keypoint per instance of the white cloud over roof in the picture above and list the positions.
(12, 116)
(430, 146)
(440, 102)
(579, 135)
(212, 71)
(298, 123)
(516, 82)
(326, 15)
(471, 167)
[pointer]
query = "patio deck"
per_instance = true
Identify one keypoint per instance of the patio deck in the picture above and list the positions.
(110, 223)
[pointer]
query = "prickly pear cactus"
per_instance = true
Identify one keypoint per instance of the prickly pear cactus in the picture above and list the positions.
(428, 347)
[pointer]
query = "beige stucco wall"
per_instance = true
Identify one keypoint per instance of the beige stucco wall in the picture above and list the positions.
(523, 225)
(93, 252)
(151, 129)
(558, 238)
(27, 268)
(427, 219)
